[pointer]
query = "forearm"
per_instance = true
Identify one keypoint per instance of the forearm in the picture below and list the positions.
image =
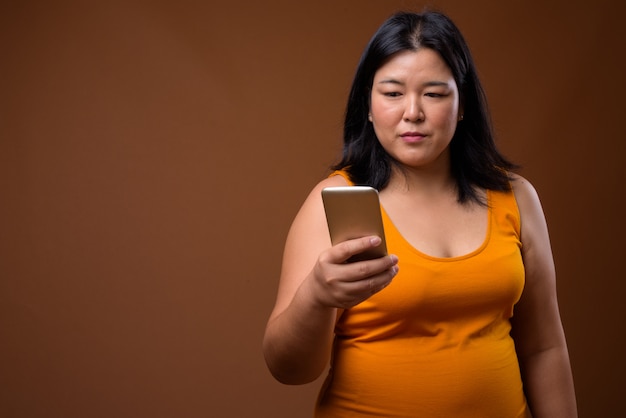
(297, 342)
(549, 384)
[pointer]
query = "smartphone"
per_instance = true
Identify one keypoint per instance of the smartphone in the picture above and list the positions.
(354, 212)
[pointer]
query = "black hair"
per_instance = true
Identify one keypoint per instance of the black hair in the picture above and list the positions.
(475, 160)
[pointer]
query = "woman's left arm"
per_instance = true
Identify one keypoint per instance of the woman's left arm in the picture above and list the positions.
(537, 328)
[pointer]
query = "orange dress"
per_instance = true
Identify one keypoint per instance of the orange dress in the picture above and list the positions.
(435, 342)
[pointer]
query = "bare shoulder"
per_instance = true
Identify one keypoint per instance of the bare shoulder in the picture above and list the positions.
(533, 221)
(310, 220)
(526, 195)
(522, 188)
(308, 230)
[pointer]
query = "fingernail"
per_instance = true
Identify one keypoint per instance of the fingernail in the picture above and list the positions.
(375, 240)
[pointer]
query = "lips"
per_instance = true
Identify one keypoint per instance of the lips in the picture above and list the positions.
(412, 136)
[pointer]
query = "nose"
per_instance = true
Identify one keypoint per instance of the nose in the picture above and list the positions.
(413, 111)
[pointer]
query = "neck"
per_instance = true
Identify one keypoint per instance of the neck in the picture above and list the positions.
(432, 180)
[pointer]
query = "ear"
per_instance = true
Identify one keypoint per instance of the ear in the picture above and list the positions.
(369, 117)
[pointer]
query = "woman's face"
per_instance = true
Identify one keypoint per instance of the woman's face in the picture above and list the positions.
(415, 108)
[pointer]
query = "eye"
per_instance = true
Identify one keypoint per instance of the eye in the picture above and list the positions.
(434, 95)
(392, 94)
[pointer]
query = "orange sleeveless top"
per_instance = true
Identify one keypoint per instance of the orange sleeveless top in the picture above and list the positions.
(435, 342)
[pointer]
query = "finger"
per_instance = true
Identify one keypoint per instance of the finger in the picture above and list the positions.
(381, 281)
(370, 286)
(347, 249)
(360, 270)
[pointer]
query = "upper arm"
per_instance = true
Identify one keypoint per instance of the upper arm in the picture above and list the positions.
(307, 238)
(536, 322)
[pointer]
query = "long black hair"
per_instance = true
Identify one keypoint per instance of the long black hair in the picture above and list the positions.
(475, 160)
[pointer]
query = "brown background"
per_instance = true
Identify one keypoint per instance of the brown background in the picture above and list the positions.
(153, 154)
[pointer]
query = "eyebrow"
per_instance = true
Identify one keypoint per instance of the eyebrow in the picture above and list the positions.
(433, 83)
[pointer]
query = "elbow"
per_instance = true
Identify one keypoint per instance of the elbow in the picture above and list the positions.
(289, 373)
(289, 370)
(292, 379)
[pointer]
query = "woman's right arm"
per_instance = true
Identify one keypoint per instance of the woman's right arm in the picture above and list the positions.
(315, 283)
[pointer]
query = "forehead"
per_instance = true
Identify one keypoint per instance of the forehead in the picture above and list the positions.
(424, 62)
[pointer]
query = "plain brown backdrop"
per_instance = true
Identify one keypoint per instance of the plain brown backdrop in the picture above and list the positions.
(153, 154)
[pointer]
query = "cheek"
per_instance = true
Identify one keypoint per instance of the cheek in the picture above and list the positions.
(446, 118)
(384, 117)
(376, 111)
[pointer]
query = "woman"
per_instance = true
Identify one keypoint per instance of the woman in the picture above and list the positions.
(462, 319)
